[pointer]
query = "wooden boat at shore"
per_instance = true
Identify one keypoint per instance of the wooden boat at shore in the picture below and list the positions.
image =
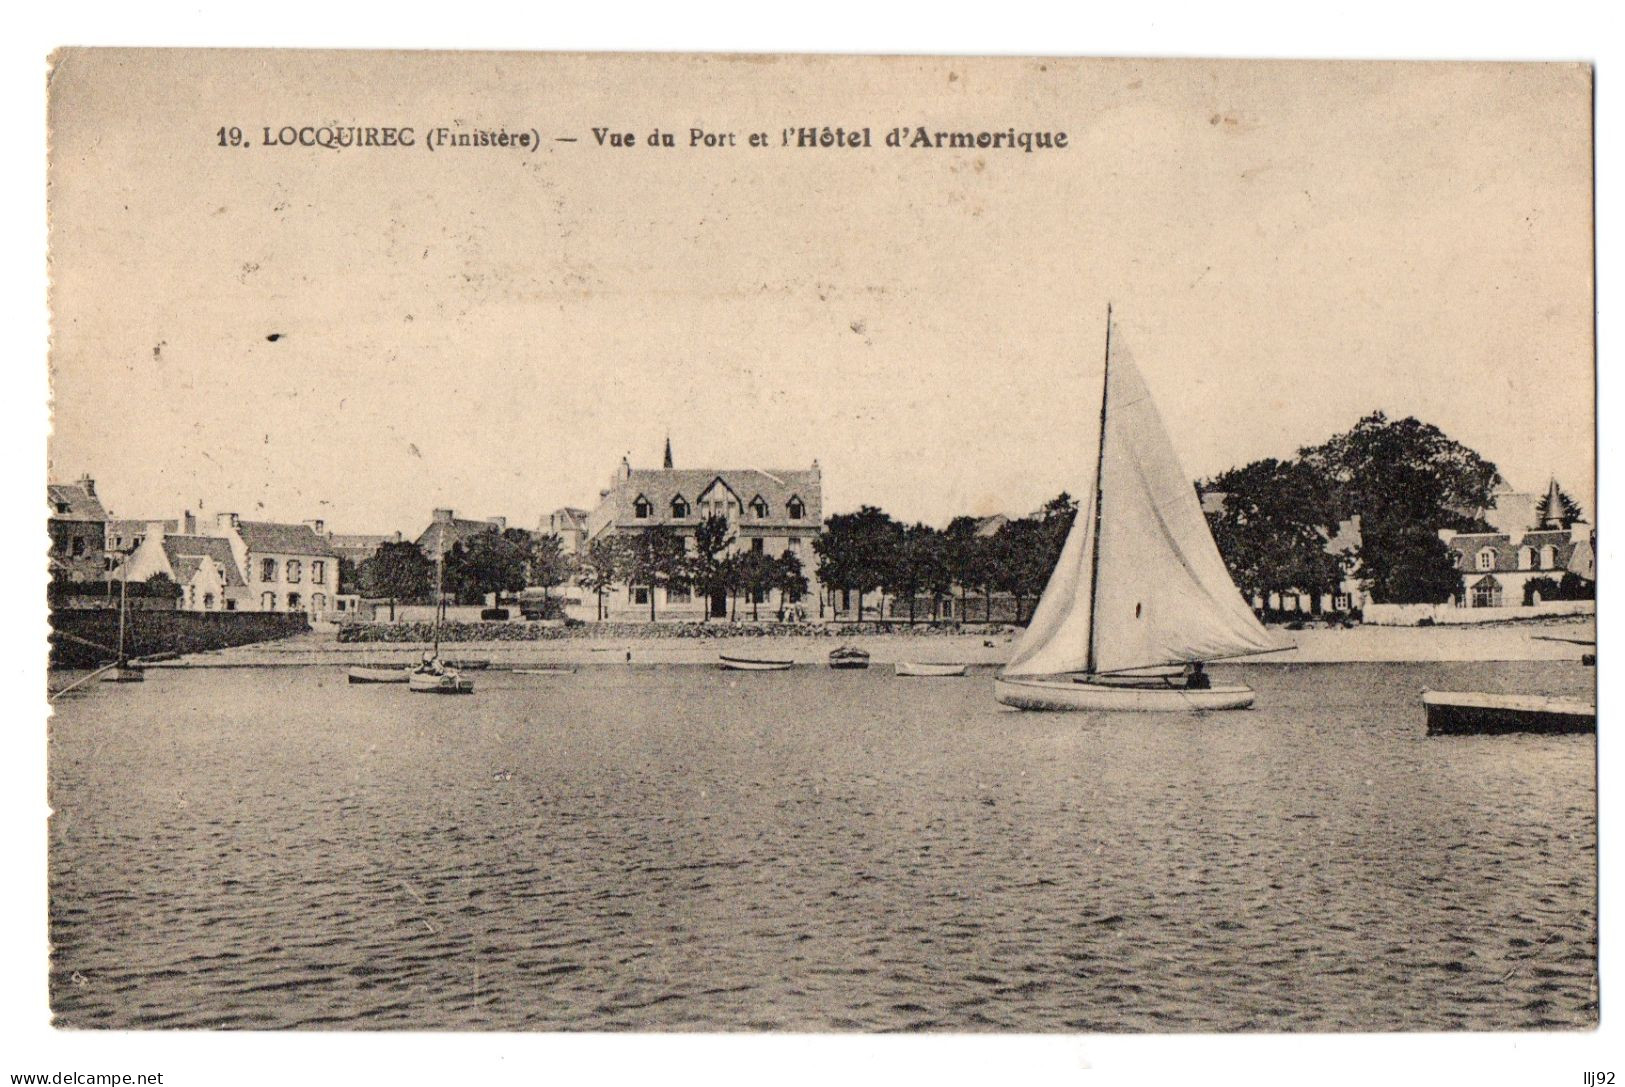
(1463, 713)
(848, 657)
(753, 664)
(557, 671)
(1139, 585)
(908, 668)
(433, 675)
(376, 673)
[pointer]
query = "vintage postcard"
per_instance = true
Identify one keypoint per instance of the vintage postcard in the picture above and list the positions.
(821, 544)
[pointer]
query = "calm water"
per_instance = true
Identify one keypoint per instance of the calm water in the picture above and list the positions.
(681, 848)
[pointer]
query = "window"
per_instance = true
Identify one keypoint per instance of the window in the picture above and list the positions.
(640, 594)
(758, 544)
(1548, 557)
(1528, 559)
(758, 506)
(191, 597)
(1487, 593)
(268, 601)
(679, 507)
(293, 571)
(795, 544)
(268, 570)
(293, 601)
(1486, 558)
(318, 601)
(642, 507)
(78, 545)
(758, 596)
(796, 509)
(63, 507)
(318, 571)
(679, 595)
(231, 605)
(208, 601)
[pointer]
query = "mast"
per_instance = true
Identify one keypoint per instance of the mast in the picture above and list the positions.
(1100, 465)
(439, 596)
(123, 581)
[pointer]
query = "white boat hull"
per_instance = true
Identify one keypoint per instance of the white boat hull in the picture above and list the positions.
(445, 683)
(904, 668)
(745, 664)
(1072, 694)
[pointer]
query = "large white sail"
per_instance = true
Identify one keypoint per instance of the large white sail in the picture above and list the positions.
(1161, 593)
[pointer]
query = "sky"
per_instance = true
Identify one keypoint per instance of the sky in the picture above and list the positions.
(1286, 246)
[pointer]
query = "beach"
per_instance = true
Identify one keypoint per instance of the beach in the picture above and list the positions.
(1523, 641)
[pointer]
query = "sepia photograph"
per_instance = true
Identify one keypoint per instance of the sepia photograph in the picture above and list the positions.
(820, 544)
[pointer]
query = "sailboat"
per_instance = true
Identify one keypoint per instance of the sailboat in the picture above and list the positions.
(1140, 598)
(435, 676)
(121, 670)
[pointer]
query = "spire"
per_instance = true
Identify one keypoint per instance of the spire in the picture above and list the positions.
(1554, 506)
(668, 451)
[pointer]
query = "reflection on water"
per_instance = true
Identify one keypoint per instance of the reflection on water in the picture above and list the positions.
(686, 849)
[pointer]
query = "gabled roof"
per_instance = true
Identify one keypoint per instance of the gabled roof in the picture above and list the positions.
(186, 567)
(270, 537)
(179, 549)
(661, 485)
(442, 536)
(1512, 512)
(71, 502)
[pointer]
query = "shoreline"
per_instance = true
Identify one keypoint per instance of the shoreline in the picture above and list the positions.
(1362, 644)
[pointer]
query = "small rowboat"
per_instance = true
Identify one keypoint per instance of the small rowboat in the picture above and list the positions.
(905, 668)
(848, 656)
(123, 673)
(544, 671)
(751, 664)
(376, 673)
(441, 682)
(476, 664)
(1460, 713)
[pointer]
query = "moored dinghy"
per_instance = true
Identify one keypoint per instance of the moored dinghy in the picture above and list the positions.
(909, 668)
(848, 656)
(753, 664)
(376, 673)
(1140, 584)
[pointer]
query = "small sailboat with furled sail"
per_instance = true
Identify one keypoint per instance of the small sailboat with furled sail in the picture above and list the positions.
(1140, 598)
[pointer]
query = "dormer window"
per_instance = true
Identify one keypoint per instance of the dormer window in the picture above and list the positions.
(642, 508)
(1528, 559)
(679, 507)
(1486, 558)
(62, 507)
(758, 507)
(796, 508)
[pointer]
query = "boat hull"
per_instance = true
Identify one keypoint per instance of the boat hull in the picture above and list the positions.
(122, 674)
(745, 664)
(1070, 694)
(905, 668)
(1465, 713)
(441, 684)
(364, 674)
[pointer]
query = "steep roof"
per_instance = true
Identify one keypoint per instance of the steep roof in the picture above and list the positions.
(1508, 550)
(270, 537)
(442, 536)
(186, 549)
(661, 485)
(72, 502)
(1512, 512)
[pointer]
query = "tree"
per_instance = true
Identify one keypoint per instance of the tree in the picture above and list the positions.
(707, 566)
(488, 563)
(1406, 480)
(656, 558)
(395, 572)
(349, 576)
(603, 566)
(1023, 562)
(161, 586)
(919, 564)
(964, 554)
(754, 574)
(1273, 527)
(1568, 510)
(856, 549)
(789, 578)
(549, 566)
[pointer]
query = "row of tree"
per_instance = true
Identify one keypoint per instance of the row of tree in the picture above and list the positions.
(1404, 479)
(869, 551)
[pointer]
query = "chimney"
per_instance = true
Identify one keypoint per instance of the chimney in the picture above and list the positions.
(443, 516)
(668, 451)
(501, 523)
(816, 471)
(188, 523)
(395, 537)
(317, 525)
(88, 484)
(225, 520)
